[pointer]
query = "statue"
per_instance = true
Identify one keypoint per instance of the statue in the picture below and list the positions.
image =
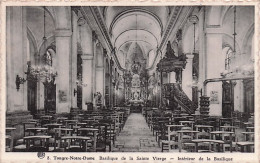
(98, 97)
(169, 51)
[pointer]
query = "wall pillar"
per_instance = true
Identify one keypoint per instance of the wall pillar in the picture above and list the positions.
(16, 53)
(74, 59)
(87, 71)
(187, 76)
(215, 64)
(63, 80)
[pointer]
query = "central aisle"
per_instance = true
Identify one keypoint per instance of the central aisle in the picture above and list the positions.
(136, 136)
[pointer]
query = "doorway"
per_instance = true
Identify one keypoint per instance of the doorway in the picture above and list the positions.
(227, 98)
(32, 96)
(50, 97)
(249, 103)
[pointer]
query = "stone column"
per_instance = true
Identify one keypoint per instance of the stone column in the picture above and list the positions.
(63, 80)
(16, 53)
(187, 76)
(74, 59)
(215, 64)
(202, 47)
(87, 71)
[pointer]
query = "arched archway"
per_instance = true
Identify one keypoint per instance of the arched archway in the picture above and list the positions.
(32, 47)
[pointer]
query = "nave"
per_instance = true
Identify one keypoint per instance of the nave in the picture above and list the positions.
(130, 79)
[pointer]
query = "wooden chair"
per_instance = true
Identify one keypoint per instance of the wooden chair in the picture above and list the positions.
(110, 132)
(226, 136)
(236, 118)
(92, 134)
(60, 132)
(172, 141)
(248, 144)
(45, 119)
(185, 140)
(115, 118)
(38, 143)
(163, 131)
(75, 143)
(10, 138)
(28, 125)
(102, 137)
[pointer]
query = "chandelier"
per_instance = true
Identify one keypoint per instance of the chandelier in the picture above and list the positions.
(43, 71)
(40, 73)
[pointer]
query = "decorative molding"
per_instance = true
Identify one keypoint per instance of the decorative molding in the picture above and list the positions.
(87, 57)
(102, 24)
(76, 9)
(170, 25)
(104, 30)
(179, 35)
(172, 20)
(81, 21)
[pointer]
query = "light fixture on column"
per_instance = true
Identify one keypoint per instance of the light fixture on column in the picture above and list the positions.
(19, 80)
(234, 34)
(43, 71)
(194, 20)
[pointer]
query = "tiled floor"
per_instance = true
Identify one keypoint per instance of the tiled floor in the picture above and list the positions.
(136, 136)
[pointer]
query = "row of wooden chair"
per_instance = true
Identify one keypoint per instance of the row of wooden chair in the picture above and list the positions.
(193, 133)
(109, 125)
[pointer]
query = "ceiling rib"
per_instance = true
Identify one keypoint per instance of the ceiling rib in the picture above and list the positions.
(135, 30)
(124, 13)
(133, 41)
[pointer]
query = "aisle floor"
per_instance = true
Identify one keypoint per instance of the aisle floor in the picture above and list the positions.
(136, 136)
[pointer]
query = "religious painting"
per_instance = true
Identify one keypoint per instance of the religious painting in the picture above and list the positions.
(214, 97)
(62, 96)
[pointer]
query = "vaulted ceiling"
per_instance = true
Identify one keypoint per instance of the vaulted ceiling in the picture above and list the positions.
(135, 31)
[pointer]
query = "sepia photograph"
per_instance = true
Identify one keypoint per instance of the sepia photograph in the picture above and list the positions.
(135, 79)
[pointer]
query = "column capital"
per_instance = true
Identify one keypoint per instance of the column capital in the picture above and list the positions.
(63, 33)
(100, 68)
(189, 55)
(87, 57)
(214, 30)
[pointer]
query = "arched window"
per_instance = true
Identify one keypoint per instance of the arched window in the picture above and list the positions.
(229, 55)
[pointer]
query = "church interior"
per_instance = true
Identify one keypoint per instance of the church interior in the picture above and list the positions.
(130, 79)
